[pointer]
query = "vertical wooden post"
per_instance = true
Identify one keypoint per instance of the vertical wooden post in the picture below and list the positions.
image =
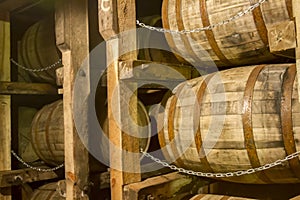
(72, 40)
(116, 17)
(296, 13)
(5, 100)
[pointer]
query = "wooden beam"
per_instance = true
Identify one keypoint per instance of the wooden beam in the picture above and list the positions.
(117, 17)
(296, 13)
(72, 40)
(169, 186)
(18, 177)
(9, 88)
(5, 101)
(282, 37)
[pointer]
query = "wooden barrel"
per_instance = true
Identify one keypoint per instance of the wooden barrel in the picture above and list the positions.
(243, 41)
(142, 120)
(234, 120)
(151, 38)
(38, 50)
(216, 197)
(25, 117)
(47, 133)
(47, 192)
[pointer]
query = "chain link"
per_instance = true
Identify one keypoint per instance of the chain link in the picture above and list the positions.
(222, 175)
(38, 69)
(35, 168)
(236, 16)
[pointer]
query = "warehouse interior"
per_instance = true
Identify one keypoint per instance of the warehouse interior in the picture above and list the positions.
(149, 100)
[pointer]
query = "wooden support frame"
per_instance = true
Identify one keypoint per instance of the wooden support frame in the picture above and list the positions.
(72, 40)
(169, 186)
(5, 101)
(116, 17)
(9, 88)
(18, 177)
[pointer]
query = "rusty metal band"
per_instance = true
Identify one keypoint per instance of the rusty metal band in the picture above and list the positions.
(197, 114)
(184, 38)
(260, 25)
(161, 137)
(247, 122)
(286, 118)
(47, 131)
(289, 7)
(171, 118)
(210, 35)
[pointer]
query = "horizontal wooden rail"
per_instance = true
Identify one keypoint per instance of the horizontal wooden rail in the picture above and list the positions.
(10, 88)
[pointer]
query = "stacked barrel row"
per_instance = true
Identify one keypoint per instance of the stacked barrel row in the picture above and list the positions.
(235, 120)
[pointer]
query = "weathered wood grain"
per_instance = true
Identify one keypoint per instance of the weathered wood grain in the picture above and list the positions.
(243, 41)
(9, 88)
(234, 131)
(72, 40)
(5, 101)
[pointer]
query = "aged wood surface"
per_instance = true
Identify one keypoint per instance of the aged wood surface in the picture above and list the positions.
(282, 36)
(120, 47)
(295, 198)
(72, 40)
(46, 133)
(169, 186)
(5, 101)
(9, 88)
(296, 7)
(216, 197)
(241, 42)
(20, 176)
(256, 126)
(38, 50)
(49, 191)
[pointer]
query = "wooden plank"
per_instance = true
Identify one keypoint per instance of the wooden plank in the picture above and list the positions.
(108, 22)
(10, 178)
(282, 36)
(9, 88)
(296, 13)
(72, 40)
(124, 164)
(5, 101)
(147, 70)
(169, 186)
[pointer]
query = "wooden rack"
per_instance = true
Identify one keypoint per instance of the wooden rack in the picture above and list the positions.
(72, 38)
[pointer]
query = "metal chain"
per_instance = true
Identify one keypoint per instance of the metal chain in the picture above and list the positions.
(38, 69)
(222, 175)
(35, 168)
(236, 16)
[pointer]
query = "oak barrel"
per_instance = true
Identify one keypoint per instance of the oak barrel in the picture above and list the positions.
(234, 120)
(47, 133)
(38, 50)
(216, 197)
(242, 41)
(151, 39)
(47, 192)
